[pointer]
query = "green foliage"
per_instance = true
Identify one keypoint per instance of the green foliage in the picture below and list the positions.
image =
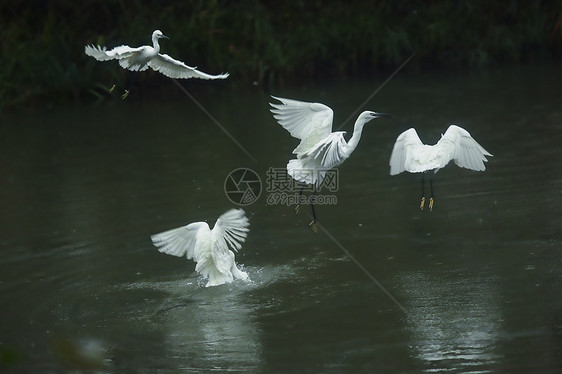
(42, 42)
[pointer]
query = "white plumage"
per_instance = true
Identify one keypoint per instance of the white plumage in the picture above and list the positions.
(410, 154)
(139, 59)
(212, 250)
(319, 149)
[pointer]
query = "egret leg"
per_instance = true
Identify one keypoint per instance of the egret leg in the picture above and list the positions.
(422, 203)
(130, 84)
(298, 207)
(313, 223)
(111, 89)
(431, 187)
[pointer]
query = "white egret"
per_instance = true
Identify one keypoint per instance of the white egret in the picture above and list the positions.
(319, 149)
(140, 58)
(410, 154)
(210, 249)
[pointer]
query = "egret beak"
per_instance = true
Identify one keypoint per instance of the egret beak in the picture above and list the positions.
(164, 36)
(377, 115)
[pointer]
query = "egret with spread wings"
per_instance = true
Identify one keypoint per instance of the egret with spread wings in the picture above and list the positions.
(141, 58)
(212, 250)
(319, 149)
(410, 154)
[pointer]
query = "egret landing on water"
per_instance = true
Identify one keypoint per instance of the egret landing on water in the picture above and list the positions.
(139, 59)
(320, 149)
(210, 249)
(410, 154)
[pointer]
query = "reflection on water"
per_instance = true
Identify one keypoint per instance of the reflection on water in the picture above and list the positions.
(454, 320)
(217, 327)
(207, 327)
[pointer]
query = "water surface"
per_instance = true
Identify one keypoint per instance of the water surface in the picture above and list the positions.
(83, 188)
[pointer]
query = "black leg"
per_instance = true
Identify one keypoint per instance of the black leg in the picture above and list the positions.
(422, 203)
(431, 198)
(299, 202)
(313, 223)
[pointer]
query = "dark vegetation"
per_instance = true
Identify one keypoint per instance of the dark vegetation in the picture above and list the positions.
(267, 42)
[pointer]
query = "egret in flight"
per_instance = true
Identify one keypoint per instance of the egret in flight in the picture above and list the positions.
(410, 154)
(139, 59)
(212, 250)
(319, 149)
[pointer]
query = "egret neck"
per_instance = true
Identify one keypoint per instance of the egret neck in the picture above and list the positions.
(358, 128)
(155, 37)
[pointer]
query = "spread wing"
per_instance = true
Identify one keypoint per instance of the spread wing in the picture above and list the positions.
(176, 69)
(185, 240)
(230, 231)
(329, 152)
(101, 54)
(402, 152)
(310, 122)
(467, 152)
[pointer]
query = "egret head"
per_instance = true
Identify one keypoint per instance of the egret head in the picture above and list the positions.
(157, 34)
(368, 115)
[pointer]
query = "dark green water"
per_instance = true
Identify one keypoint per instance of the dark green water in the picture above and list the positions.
(479, 278)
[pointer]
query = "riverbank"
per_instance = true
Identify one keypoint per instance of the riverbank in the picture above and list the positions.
(262, 42)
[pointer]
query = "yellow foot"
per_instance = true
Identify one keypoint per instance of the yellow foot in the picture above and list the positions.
(430, 204)
(297, 209)
(314, 226)
(422, 203)
(111, 89)
(124, 96)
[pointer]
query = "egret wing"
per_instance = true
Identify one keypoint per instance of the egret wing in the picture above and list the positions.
(102, 54)
(303, 119)
(401, 155)
(176, 69)
(467, 152)
(237, 273)
(230, 231)
(184, 240)
(329, 152)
